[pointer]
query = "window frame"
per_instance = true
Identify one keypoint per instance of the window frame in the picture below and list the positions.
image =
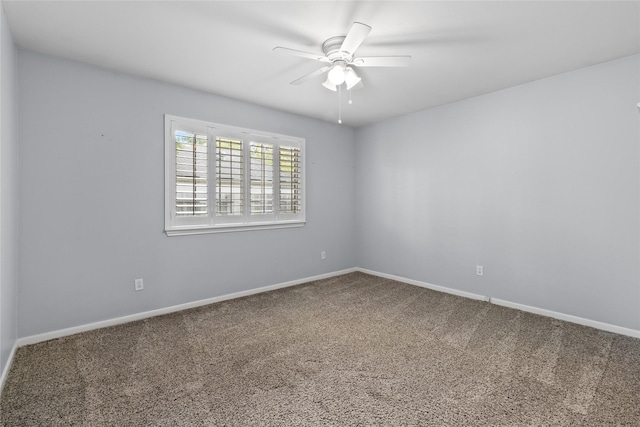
(212, 222)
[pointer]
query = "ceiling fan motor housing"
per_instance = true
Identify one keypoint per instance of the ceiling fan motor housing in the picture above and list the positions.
(331, 49)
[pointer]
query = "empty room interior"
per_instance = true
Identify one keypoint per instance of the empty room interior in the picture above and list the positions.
(285, 213)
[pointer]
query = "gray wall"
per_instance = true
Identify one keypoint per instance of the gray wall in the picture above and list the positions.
(92, 199)
(8, 193)
(538, 183)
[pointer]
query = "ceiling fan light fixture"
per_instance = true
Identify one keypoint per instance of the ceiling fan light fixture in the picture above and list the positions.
(351, 78)
(337, 73)
(329, 85)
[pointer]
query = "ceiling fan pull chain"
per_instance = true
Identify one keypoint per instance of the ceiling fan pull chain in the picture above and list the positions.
(339, 106)
(350, 101)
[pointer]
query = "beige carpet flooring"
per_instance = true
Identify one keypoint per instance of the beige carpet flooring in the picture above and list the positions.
(350, 350)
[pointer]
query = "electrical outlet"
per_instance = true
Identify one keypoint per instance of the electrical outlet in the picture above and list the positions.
(139, 284)
(323, 255)
(479, 270)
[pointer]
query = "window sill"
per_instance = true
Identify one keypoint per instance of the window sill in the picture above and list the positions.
(229, 228)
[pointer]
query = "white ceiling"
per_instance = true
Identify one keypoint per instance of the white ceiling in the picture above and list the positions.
(459, 49)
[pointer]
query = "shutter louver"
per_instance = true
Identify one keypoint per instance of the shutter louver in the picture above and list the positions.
(229, 177)
(261, 178)
(191, 174)
(290, 180)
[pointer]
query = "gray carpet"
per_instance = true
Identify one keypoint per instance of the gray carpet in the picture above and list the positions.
(350, 350)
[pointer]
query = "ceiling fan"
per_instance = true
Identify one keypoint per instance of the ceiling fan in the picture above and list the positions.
(339, 54)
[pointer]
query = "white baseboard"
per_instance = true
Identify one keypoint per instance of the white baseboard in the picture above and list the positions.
(424, 285)
(541, 311)
(7, 366)
(34, 339)
(569, 318)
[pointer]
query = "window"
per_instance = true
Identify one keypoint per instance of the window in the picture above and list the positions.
(221, 178)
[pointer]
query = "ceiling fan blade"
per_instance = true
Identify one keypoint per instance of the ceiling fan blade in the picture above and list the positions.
(382, 61)
(355, 37)
(311, 75)
(301, 53)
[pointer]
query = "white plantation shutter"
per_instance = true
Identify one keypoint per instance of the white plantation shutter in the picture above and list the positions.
(191, 174)
(222, 178)
(261, 178)
(229, 177)
(290, 180)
